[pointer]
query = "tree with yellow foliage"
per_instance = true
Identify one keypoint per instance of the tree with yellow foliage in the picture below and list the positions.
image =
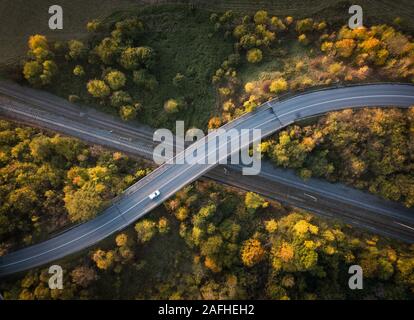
(104, 260)
(252, 252)
(271, 225)
(278, 85)
(253, 202)
(345, 47)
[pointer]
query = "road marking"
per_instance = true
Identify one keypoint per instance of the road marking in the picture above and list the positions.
(310, 196)
(404, 225)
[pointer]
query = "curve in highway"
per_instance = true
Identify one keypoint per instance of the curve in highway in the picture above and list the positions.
(168, 178)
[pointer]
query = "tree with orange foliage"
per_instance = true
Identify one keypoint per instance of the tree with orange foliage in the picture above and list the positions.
(252, 252)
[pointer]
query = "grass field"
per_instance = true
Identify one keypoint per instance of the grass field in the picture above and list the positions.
(184, 44)
(21, 18)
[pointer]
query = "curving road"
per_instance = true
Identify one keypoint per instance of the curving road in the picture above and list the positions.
(270, 117)
(334, 201)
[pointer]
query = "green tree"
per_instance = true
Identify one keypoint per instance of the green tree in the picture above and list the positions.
(145, 80)
(119, 98)
(76, 49)
(134, 58)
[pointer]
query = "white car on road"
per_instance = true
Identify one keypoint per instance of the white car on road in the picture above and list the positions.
(154, 195)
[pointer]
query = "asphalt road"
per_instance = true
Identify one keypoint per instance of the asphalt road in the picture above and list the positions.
(170, 178)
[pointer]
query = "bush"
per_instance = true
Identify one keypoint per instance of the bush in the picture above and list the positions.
(133, 58)
(303, 39)
(98, 88)
(334, 68)
(76, 49)
(304, 25)
(93, 26)
(249, 87)
(171, 106)
(214, 123)
(278, 85)
(234, 60)
(254, 55)
(260, 17)
(129, 28)
(127, 112)
(40, 70)
(144, 79)
(32, 71)
(79, 71)
(345, 47)
(120, 98)
(178, 80)
(73, 98)
(115, 79)
(107, 50)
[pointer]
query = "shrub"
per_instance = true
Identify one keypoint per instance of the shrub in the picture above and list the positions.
(79, 71)
(345, 47)
(334, 68)
(115, 79)
(254, 55)
(98, 88)
(171, 106)
(76, 49)
(120, 98)
(252, 252)
(32, 71)
(133, 58)
(178, 80)
(93, 26)
(278, 85)
(73, 98)
(260, 17)
(214, 123)
(304, 25)
(107, 50)
(303, 39)
(128, 112)
(144, 79)
(249, 87)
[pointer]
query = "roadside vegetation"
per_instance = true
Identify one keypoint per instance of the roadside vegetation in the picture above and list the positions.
(371, 149)
(48, 181)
